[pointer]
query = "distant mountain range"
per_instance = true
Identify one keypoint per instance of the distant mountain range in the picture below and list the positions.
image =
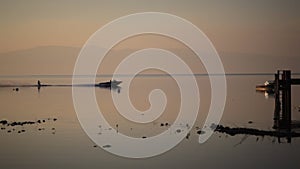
(57, 60)
(39, 60)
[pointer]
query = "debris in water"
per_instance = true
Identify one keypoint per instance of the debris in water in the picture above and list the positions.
(200, 132)
(188, 135)
(13, 125)
(4, 122)
(16, 89)
(187, 126)
(21, 123)
(213, 126)
(256, 132)
(106, 146)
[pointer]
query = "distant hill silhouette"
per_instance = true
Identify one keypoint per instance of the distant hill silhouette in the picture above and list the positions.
(58, 60)
(39, 60)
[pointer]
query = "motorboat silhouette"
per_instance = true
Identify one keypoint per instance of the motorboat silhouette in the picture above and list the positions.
(110, 84)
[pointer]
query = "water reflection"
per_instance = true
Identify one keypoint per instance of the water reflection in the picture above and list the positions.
(70, 147)
(282, 128)
(267, 94)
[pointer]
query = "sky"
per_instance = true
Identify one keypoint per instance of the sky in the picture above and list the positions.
(247, 34)
(266, 27)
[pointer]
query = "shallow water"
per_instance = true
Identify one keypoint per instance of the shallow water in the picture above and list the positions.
(64, 144)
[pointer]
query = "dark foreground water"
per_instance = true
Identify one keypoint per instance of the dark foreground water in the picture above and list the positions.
(55, 138)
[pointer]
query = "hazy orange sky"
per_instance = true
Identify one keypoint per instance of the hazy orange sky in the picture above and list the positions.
(270, 27)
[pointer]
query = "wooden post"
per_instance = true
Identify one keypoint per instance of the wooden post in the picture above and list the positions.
(277, 101)
(282, 91)
(286, 97)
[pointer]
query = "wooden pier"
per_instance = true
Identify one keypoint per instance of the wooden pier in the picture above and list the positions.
(282, 93)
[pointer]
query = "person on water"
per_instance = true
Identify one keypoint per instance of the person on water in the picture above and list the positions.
(39, 83)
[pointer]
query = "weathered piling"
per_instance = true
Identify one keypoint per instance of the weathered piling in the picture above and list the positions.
(283, 94)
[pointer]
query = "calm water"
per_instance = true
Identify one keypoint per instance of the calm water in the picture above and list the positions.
(64, 144)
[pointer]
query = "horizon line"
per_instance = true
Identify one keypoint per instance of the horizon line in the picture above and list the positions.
(138, 75)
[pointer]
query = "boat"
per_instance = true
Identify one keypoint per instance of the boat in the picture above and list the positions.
(110, 84)
(268, 86)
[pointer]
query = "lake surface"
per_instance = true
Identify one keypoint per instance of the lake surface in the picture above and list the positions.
(57, 140)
